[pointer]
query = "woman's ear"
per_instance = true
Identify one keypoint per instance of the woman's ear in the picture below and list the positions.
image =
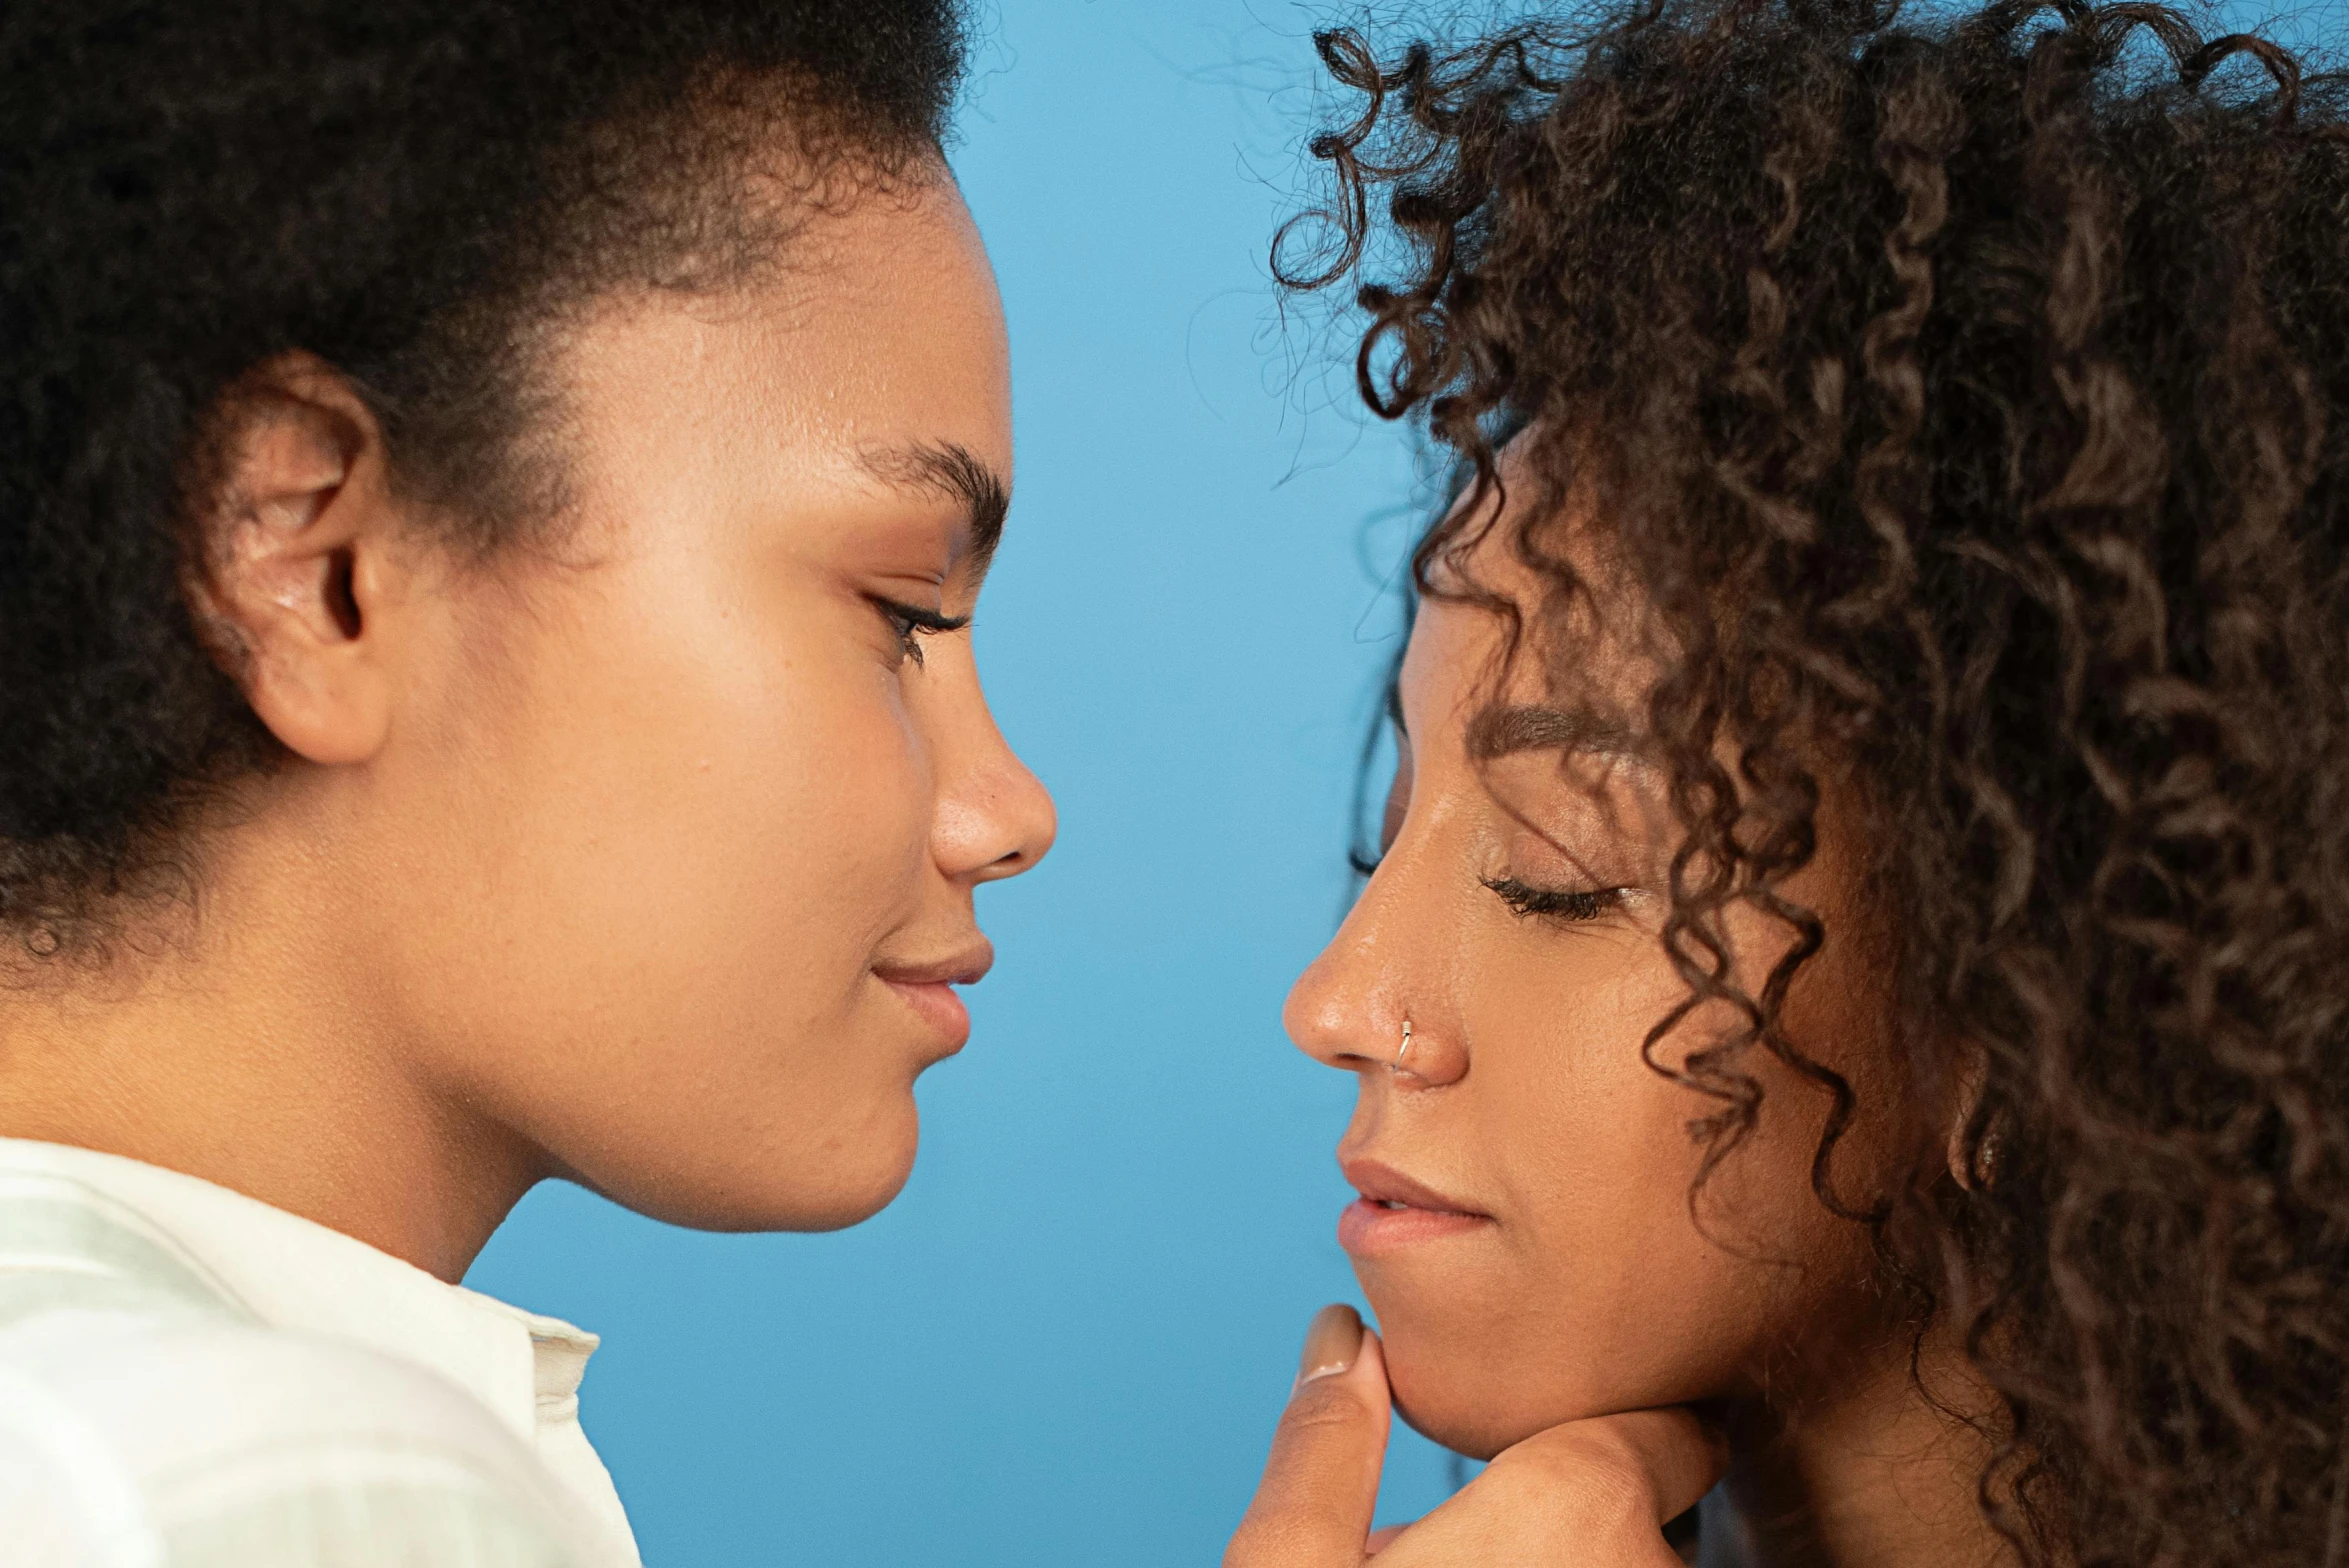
(301, 547)
(1969, 1167)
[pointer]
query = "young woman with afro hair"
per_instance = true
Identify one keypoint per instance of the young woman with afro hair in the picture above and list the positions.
(490, 494)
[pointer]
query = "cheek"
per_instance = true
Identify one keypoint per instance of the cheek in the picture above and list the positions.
(753, 845)
(1598, 1291)
(752, 800)
(658, 884)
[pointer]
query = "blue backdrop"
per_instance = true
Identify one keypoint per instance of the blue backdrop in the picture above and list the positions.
(1068, 1340)
(1066, 1343)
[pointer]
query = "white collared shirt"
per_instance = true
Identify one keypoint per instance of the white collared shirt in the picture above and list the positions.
(190, 1378)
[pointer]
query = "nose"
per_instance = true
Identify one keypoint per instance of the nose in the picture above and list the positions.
(994, 817)
(1331, 1015)
(1349, 1008)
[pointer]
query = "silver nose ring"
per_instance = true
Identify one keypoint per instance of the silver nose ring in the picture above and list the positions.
(1404, 1050)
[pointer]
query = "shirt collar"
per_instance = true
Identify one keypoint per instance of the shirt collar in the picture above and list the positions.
(296, 1274)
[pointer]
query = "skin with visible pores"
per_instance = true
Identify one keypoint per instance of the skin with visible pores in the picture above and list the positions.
(1527, 1237)
(645, 856)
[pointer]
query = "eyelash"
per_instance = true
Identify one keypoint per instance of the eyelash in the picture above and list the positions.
(1555, 903)
(914, 623)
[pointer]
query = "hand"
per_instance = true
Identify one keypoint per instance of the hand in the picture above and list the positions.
(1593, 1493)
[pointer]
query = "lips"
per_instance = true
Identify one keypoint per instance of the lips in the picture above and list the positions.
(1396, 1211)
(969, 966)
(927, 987)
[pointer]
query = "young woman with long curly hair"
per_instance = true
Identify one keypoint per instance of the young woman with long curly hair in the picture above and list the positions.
(1861, 950)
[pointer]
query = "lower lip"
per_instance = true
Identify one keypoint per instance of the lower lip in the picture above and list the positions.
(939, 1006)
(1366, 1228)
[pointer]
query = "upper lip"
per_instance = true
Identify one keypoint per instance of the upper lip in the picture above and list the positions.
(1384, 1184)
(967, 967)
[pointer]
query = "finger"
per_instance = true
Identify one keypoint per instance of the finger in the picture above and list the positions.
(1596, 1492)
(1671, 1456)
(1314, 1506)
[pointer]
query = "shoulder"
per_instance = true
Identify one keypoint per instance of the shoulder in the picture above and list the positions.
(179, 1438)
(149, 1417)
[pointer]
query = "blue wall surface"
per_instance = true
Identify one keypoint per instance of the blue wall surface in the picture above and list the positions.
(1066, 1343)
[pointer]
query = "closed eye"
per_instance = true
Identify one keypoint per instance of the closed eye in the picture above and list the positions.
(1555, 903)
(912, 623)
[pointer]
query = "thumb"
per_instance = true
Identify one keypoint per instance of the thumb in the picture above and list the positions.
(1314, 1506)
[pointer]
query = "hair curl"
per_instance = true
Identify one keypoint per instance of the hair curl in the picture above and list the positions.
(1965, 394)
(411, 190)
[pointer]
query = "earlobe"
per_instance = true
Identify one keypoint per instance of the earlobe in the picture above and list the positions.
(1970, 1167)
(289, 573)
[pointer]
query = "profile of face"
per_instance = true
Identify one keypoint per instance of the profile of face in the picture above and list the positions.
(664, 849)
(1525, 1232)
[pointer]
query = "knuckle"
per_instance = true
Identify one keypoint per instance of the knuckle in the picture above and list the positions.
(1595, 1475)
(1614, 1500)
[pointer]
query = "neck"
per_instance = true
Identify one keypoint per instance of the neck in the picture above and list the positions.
(1878, 1475)
(252, 1048)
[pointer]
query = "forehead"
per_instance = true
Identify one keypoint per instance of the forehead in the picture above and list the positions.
(1588, 649)
(892, 308)
(880, 328)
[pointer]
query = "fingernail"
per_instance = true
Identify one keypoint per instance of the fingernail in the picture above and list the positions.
(1331, 1344)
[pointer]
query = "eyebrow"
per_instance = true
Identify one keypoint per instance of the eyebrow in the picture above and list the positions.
(1505, 732)
(954, 471)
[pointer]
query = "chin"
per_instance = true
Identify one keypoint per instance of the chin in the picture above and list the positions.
(1447, 1412)
(827, 1201)
(1476, 1395)
(1444, 1364)
(846, 1180)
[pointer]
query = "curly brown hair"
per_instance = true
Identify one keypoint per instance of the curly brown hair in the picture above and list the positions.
(1964, 393)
